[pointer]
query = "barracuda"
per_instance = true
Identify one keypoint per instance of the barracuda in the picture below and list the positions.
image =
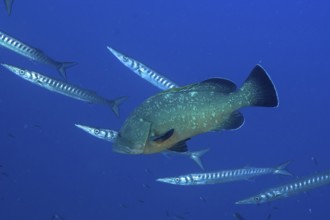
(225, 176)
(33, 53)
(301, 185)
(65, 88)
(143, 71)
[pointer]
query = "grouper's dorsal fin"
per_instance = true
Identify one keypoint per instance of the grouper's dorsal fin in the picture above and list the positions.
(220, 85)
(180, 146)
(235, 121)
(163, 137)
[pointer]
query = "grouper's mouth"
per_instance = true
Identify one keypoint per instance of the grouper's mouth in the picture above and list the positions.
(126, 147)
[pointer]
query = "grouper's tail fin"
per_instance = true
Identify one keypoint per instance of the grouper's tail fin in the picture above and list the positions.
(260, 89)
(114, 104)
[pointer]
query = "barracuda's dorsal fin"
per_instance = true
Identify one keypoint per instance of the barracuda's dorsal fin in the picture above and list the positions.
(9, 5)
(163, 137)
(235, 121)
(221, 85)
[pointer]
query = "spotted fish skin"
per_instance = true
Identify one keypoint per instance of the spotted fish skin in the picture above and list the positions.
(143, 71)
(32, 53)
(224, 176)
(102, 133)
(64, 88)
(301, 185)
(168, 119)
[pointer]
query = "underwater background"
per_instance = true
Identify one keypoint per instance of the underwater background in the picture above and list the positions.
(49, 167)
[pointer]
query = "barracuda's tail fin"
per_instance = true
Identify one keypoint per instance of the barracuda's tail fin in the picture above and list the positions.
(62, 66)
(259, 90)
(282, 169)
(114, 104)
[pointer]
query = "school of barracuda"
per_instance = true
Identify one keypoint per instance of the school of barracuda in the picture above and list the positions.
(145, 132)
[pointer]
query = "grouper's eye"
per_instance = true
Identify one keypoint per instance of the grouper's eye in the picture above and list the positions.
(177, 180)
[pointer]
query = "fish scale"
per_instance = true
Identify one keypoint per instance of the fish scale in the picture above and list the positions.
(301, 185)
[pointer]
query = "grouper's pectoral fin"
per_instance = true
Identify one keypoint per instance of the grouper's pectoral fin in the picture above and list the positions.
(234, 121)
(180, 146)
(163, 137)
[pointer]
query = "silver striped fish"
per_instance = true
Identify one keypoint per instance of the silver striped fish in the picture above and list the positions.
(284, 191)
(143, 71)
(65, 88)
(9, 5)
(33, 53)
(224, 176)
(111, 135)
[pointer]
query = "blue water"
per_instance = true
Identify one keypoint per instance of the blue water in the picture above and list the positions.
(53, 167)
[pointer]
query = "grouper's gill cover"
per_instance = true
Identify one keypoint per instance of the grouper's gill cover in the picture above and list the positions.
(137, 131)
(190, 110)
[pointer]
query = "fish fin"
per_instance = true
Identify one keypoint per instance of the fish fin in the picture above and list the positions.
(114, 104)
(235, 121)
(163, 137)
(260, 89)
(9, 5)
(62, 66)
(282, 169)
(180, 146)
(196, 156)
(221, 85)
(251, 180)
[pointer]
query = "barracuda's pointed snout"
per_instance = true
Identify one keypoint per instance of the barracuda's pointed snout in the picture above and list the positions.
(113, 51)
(165, 180)
(172, 180)
(14, 69)
(84, 128)
(258, 199)
(241, 202)
(9, 67)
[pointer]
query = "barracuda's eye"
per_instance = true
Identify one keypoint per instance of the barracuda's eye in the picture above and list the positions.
(96, 131)
(177, 180)
(22, 72)
(257, 198)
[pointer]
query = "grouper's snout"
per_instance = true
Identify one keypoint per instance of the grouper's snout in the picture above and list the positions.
(125, 147)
